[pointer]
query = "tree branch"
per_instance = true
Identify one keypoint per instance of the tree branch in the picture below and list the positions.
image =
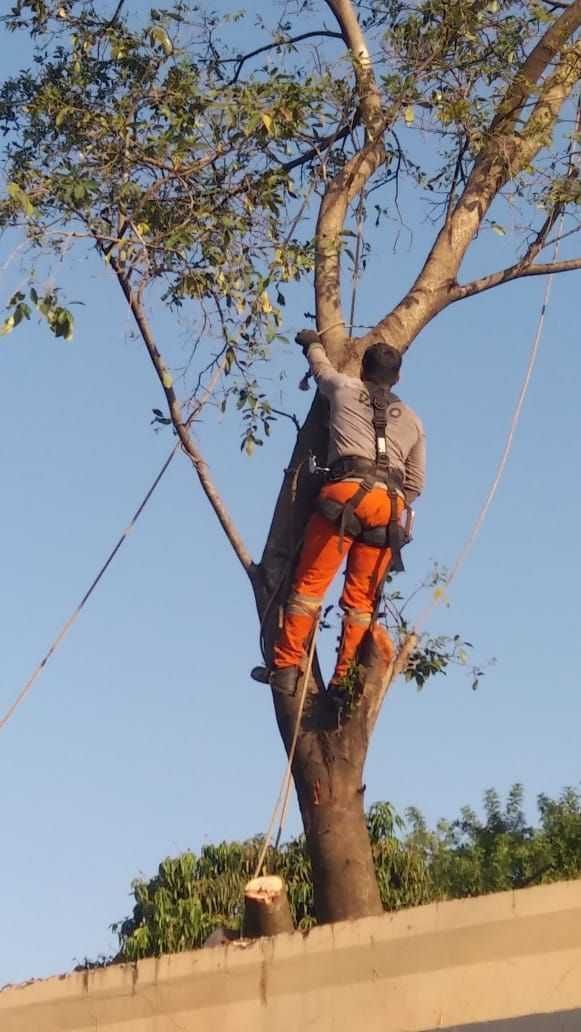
(536, 64)
(272, 46)
(315, 152)
(524, 267)
(116, 14)
(346, 185)
(328, 245)
(187, 442)
(507, 152)
(370, 107)
(540, 240)
(381, 684)
(513, 272)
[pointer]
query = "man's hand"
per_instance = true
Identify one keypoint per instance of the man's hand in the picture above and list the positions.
(305, 338)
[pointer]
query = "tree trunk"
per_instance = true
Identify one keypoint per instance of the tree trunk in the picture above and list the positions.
(327, 770)
(330, 755)
(331, 798)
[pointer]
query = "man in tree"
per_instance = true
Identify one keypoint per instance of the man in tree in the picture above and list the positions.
(376, 465)
(181, 178)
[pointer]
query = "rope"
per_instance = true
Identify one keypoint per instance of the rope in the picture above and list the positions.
(573, 159)
(281, 805)
(502, 462)
(357, 261)
(71, 620)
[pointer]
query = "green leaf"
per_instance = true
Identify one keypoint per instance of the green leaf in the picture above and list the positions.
(21, 312)
(409, 115)
(160, 36)
(267, 121)
(7, 326)
(62, 323)
(21, 198)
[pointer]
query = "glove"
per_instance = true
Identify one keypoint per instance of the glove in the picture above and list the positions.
(305, 338)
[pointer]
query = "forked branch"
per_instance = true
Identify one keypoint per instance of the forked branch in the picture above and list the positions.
(346, 185)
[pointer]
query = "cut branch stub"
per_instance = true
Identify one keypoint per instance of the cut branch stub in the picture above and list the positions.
(266, 908)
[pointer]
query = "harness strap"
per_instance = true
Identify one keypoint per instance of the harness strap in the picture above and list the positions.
(372, 473)
(350, 466)
(378, 398)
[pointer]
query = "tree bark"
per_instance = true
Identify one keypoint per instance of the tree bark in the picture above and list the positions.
(328, 770)
(328, 779)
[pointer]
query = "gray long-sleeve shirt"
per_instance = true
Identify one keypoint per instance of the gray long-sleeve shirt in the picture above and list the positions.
(351, 424)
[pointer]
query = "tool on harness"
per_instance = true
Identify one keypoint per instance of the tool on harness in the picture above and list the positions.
(314, 465)
(394, 535)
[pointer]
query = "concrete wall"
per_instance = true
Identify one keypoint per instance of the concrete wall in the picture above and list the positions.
(504, 963)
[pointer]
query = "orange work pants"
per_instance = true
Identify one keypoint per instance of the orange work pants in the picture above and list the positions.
(321, 556)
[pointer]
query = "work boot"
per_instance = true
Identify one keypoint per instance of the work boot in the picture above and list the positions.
(284, 680)
(260, 674)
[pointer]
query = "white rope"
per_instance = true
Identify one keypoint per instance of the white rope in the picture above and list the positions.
(468, 545)
(281, 805)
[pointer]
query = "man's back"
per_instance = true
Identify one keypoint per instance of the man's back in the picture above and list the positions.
(351, 429)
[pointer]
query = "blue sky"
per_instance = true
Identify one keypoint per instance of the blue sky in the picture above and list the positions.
(144, 736)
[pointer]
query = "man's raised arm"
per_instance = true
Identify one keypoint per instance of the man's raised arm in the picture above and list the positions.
(325, 374)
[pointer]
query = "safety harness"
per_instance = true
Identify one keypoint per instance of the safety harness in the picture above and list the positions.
(343, 514)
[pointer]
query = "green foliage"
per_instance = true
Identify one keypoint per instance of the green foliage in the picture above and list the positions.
(433, 654)
(192, 895)
(59, 319)
(131, 137)
(470, 857)
(189, 167)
